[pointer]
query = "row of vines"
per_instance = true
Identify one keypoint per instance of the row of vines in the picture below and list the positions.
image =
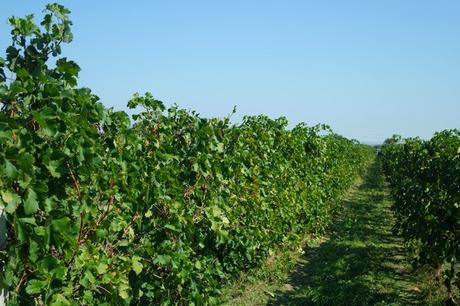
(161, 209)
(424, 176)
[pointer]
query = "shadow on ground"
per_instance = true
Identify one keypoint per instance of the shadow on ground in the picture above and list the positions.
(360, 263)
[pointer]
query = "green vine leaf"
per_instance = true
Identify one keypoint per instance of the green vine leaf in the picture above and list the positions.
(31, 203)
(35, 286)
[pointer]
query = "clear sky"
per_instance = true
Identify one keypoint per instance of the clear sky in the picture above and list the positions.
(367, 68)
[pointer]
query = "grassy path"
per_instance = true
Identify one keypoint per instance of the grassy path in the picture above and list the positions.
(358, 262)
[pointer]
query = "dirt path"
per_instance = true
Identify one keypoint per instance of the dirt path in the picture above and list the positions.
(361, 262)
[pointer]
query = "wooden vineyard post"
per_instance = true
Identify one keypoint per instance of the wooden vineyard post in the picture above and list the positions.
(3, 236)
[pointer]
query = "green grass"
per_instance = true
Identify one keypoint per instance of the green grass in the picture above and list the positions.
(360, 261)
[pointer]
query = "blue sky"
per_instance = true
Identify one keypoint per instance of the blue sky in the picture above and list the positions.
(367, 68)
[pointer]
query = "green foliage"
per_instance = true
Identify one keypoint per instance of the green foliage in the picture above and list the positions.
(161, 211)
(424, 177)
